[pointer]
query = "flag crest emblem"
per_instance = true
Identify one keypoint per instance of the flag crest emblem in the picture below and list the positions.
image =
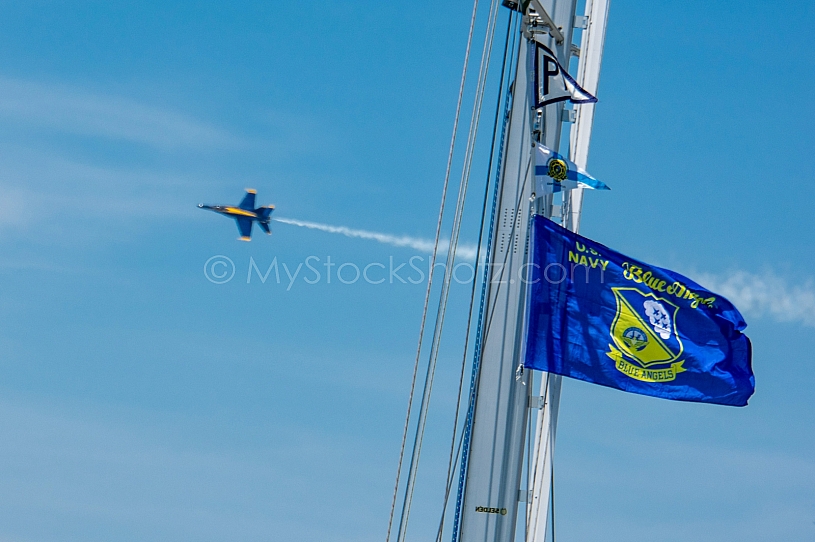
(644, 328)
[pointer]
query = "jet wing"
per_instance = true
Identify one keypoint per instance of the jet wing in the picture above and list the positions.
(245, 227)
(248, 203)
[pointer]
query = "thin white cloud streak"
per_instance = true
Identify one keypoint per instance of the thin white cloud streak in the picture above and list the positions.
(12, 207)
(77, 111)
(32, 180)
(424, 245)
(766, 294)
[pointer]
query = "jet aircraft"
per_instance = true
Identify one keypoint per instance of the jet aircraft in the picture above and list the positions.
(245, 214)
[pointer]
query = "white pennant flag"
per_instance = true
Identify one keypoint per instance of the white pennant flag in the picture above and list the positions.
(555, 173)
(552, 83)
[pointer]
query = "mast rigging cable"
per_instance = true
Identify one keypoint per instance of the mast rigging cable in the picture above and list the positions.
(432, 265)
(455, 451)
(448, 270)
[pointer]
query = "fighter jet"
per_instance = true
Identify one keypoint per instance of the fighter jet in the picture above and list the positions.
(245, 214)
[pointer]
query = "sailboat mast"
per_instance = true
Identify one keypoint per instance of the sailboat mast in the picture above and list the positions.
(540, 508)
(494, 457)
(504, 394)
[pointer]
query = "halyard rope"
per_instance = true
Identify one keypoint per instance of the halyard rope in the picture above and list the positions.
(448, 270)
(432, 266)
(454, 454)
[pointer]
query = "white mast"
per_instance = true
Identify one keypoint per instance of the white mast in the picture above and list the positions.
(495, 456)
(588, 76)
(496, 447)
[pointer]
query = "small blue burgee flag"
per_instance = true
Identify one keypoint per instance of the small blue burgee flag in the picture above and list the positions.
(555, 173)
(599, 316)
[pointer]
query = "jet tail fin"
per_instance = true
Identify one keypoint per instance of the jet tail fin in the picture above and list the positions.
(264, 212)
(265, 227)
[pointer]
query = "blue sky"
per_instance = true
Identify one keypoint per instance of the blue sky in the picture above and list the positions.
(140, 401)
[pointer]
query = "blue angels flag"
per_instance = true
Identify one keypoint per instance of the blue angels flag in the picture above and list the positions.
(554, 173)
(599, 316)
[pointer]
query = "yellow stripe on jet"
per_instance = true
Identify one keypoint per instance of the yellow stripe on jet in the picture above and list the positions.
(241, 212)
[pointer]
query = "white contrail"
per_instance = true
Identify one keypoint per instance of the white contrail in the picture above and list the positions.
(425, 245)
(766, 293)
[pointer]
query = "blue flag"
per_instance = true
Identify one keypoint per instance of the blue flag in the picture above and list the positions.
(599, 316)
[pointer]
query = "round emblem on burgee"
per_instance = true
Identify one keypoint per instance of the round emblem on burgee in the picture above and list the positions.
(558, 169)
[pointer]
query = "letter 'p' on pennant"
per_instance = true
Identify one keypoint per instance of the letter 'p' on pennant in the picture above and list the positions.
(552, 83)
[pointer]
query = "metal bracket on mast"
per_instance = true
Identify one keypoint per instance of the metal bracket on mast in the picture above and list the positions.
(537, 401)
(524, 495)
(539, 20)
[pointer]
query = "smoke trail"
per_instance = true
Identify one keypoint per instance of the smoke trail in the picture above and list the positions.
(424, 245)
